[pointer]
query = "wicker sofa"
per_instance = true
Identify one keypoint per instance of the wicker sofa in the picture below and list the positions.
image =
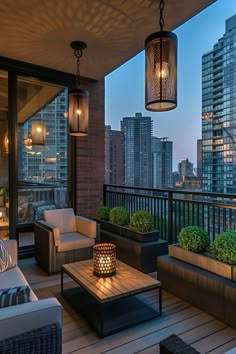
(63, 237)
(31, 327)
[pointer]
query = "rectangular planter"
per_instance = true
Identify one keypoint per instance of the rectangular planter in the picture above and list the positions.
(139, 255)
(129, 233)
(203, 261)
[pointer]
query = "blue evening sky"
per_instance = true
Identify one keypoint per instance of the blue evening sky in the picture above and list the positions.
(125, 86)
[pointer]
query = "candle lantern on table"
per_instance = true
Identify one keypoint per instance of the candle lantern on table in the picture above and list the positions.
(104, 259)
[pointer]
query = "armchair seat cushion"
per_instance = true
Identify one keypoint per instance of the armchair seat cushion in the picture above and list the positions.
(74, 240)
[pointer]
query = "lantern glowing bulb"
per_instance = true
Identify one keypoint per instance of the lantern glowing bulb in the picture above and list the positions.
(162, 71)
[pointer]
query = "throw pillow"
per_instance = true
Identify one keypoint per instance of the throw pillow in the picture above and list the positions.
(6, 261)
(14, 296)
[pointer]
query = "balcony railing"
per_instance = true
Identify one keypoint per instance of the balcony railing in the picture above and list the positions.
(173, 209)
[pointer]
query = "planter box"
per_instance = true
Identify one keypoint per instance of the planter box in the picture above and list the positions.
(203, 261)
(139, 255)
(129, 233)
(205, 290)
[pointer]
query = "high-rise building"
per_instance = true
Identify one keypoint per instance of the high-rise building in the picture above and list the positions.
(114, 156)
(138, 132)
(218, 113)
(185, 169)
(47, 163)
(162, 163)
(199, 159)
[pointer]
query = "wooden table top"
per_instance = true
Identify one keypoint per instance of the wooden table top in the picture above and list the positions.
(127, 280)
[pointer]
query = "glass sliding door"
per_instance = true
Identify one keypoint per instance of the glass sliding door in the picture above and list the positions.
(42, 152)
(4, 150)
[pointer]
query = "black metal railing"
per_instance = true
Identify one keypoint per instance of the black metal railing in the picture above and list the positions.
(173, 209)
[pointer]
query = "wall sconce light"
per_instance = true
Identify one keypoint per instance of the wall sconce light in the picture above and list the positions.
(161, 69)
(78, 99)
(37, 135)
(104, 259)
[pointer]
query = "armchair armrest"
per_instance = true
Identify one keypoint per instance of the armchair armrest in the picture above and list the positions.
(47, 227)
(18, 319)
(11, 246)
(86, 227)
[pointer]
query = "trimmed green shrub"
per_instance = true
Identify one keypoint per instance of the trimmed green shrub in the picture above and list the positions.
(142, 221)
(119, 216)
(224, 247)
(193, 238)
(102, 213)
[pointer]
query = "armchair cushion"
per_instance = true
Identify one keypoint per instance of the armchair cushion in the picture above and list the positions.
(86, 226)
(74, 240)
(64, 219)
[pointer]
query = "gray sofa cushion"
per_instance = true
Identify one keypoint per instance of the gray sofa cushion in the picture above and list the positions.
(14, 296)
(14, 277)
(74, 240)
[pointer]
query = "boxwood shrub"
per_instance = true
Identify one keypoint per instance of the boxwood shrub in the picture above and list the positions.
(193, 238)
(142, 221)
(119, 216)
(102, 213)
(224, 247)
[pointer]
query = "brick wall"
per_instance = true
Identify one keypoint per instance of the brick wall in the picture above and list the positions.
(90, 159)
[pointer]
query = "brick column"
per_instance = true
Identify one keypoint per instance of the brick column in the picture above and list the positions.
(90, 155)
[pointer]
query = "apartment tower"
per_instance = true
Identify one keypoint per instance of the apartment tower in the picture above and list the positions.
(162, 162)
(219, 113)
(138, 131)
(185, 169)
(114, 156)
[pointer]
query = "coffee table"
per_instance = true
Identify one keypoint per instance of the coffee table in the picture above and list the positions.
(111, 304)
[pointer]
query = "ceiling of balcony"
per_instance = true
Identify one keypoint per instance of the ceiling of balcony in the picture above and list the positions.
(40, 32)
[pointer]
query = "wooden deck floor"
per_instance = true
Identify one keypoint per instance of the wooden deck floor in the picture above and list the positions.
(202, 331)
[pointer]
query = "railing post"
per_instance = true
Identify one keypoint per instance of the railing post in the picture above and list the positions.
(104, 194)
(170, 217)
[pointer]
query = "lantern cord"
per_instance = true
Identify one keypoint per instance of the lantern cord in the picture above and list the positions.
(161, 22)
(78, 54)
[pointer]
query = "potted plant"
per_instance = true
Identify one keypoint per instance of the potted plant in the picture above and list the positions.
(112, 219)
(137, 243)
(193, 238)
(102, 213)
(140, 227)
(193, 248)
(224, 250)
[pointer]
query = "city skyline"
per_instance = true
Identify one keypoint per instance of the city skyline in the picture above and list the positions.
(125, 86)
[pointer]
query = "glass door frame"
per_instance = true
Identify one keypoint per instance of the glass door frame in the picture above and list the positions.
(15, 69)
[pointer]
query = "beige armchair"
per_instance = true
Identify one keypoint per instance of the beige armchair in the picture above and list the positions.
(63, 237)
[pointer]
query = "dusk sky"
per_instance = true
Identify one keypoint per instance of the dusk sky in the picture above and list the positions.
(125, 86)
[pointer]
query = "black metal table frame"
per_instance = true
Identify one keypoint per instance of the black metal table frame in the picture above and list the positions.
(102, 304)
